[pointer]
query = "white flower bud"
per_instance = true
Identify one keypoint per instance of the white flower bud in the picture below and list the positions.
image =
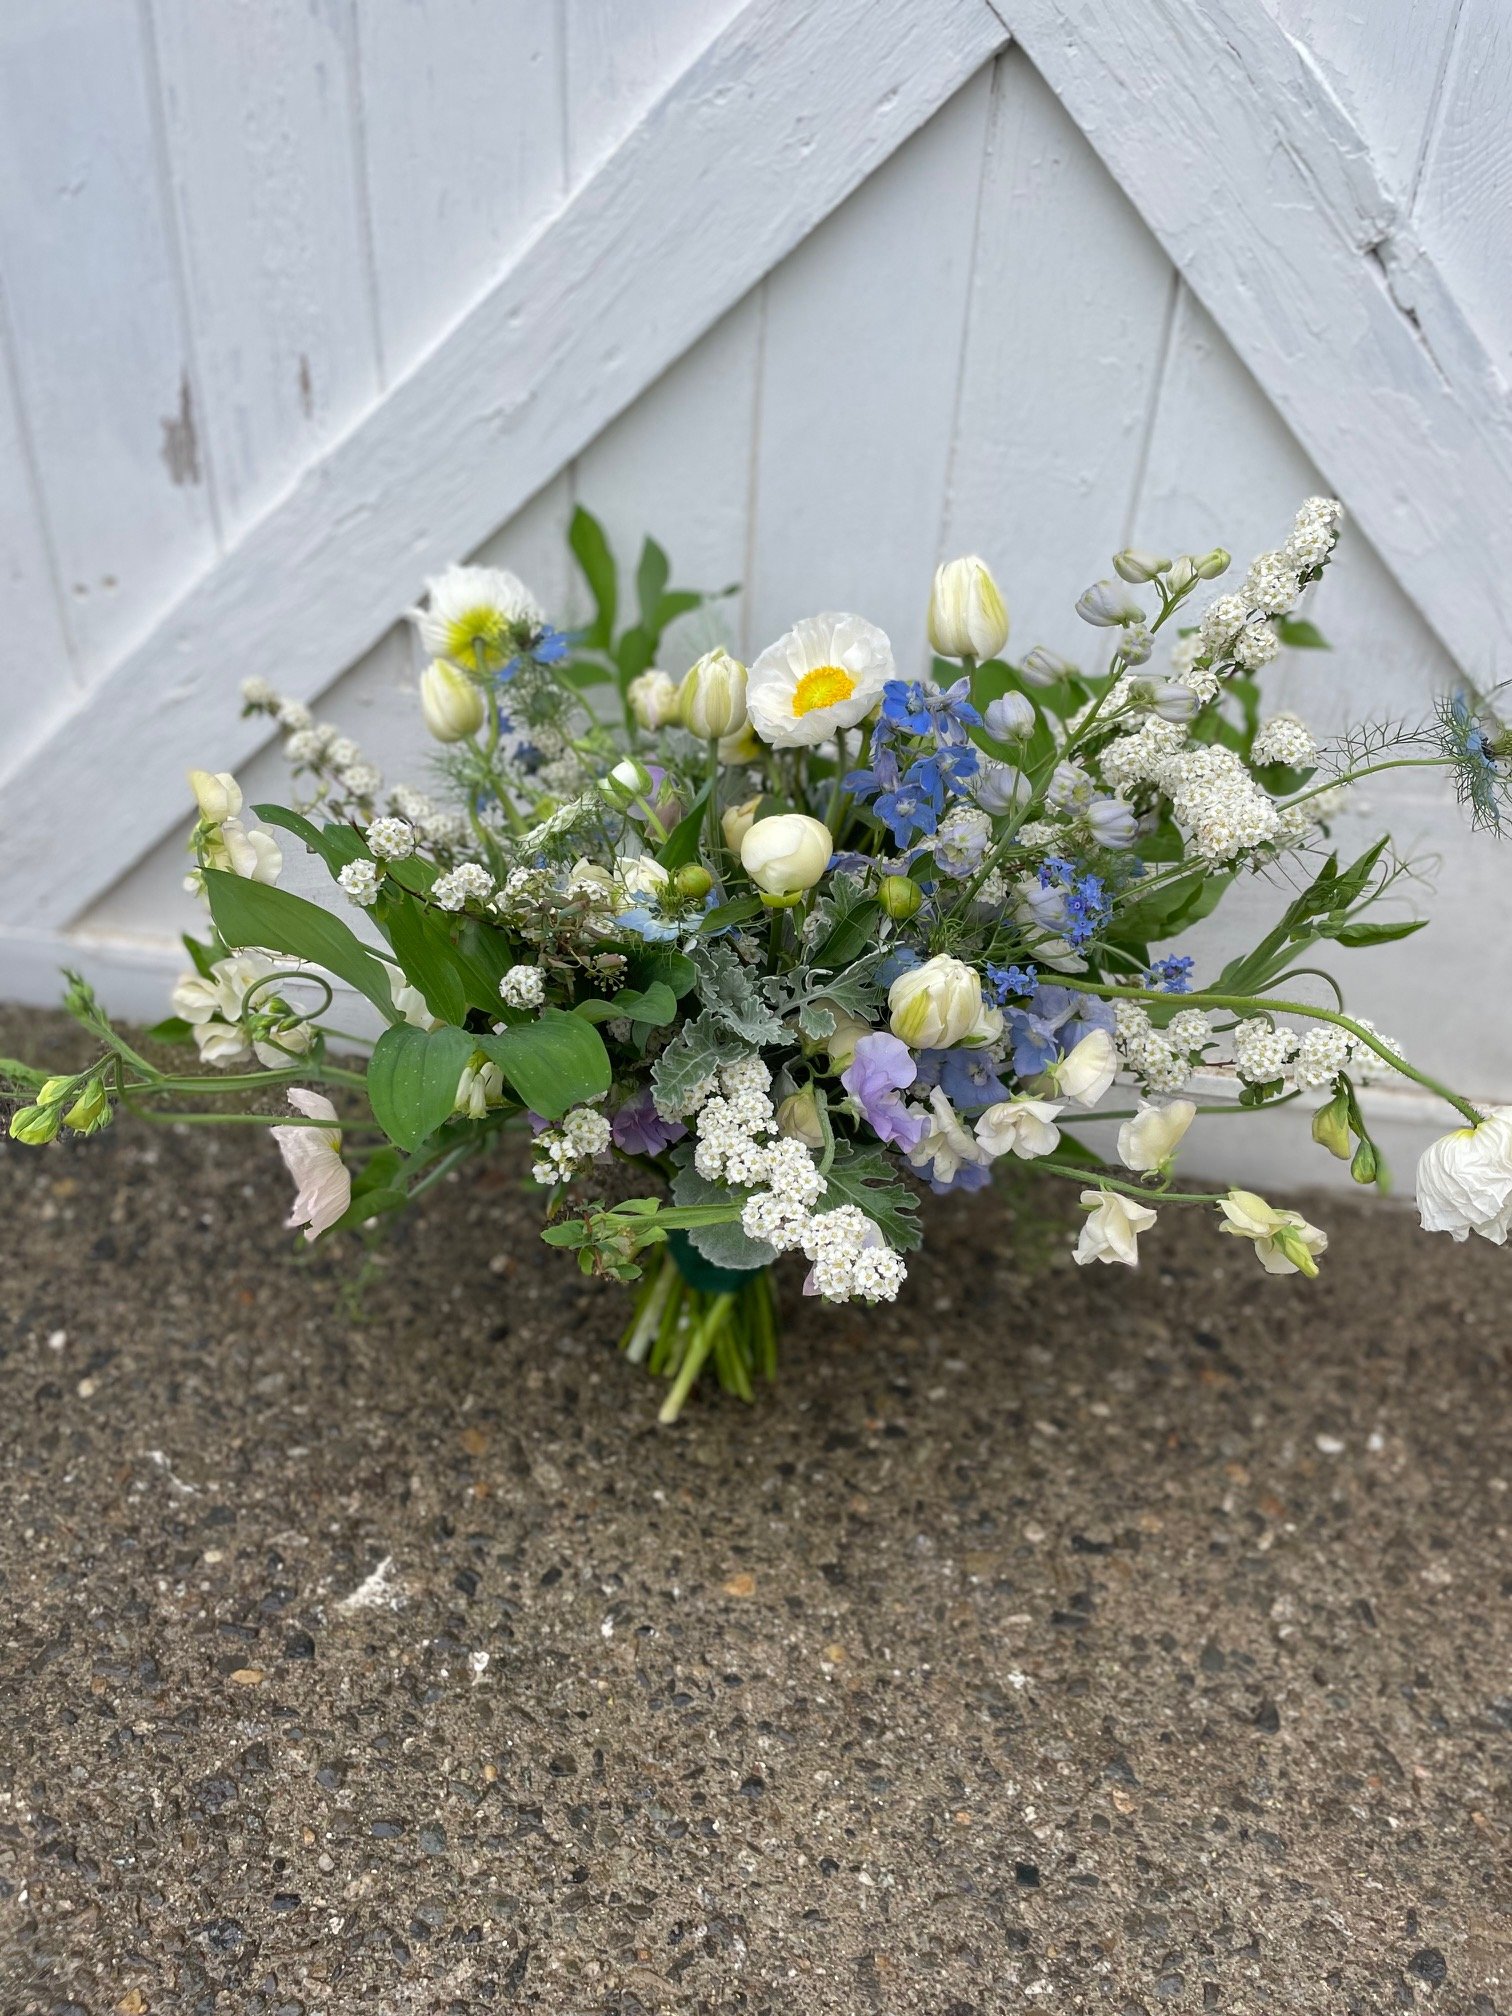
(936, 1005)
(1133, 565)
(737, 820)
(998, 787)
(1044, 668)
(1010, 717)
(1172, 701)
(1112, 823)
(451, 705)
(1210, 565)
(1107, 606)
(217, 793)
(1182, 574)
(786, 854)
(1151, 1138)
(627, 783)
(798, 1118)
(653, 699)
(967, 615)
(712, 698)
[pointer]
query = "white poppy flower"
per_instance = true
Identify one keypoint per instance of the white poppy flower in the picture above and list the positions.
(312, 1156)
(1022, 1127)
(1111, 1233)
(1151, 1138)
(471, 612)
(1464, 1181)
(827, 673)
(1284, 1241)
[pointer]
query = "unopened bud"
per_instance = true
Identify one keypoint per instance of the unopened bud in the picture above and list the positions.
(1209, 566)
(626, 782)
(1290, 1243)
(90, 1111)
(1330, 1126)
(35, 1125)
(53, 1090)
(1366, 1164)
(798, 1118)
(692, 882)
(1044, 668)
(1108, 607)
(899, 896)
(1010, 717)
(1133, 565)
(1182, 574)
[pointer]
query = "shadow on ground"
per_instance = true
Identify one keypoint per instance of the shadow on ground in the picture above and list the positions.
(1061, 1640)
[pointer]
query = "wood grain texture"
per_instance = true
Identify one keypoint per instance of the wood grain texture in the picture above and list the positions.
(703, 198)
(95, 309)
(258, 114)
(28, 583)
(1263, 192)
(619, 59)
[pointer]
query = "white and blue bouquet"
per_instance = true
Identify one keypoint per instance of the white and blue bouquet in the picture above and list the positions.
(798, 942)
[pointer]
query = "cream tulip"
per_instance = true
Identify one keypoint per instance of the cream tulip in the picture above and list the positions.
(1150, 1140)
(451, 706)
(936, 1005)
(967, 615)
(712, 697)
(787, 853)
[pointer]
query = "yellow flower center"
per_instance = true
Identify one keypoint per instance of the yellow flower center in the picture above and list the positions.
(476, 637)
(825, 686)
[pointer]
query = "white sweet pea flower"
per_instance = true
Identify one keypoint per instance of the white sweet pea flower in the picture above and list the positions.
(935, 1005)
(1111, 1233)
(220, 1043)
(1284, 1241)
(217, 794)
(947, 1144)
(312, 1156)
(1151, 1138)
(1464, 1181)
(256, 856)
(826, 673)
(1084, 1074)
(1022, 1127)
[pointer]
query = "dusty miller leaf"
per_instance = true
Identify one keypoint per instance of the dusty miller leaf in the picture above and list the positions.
(698, 1049)
(732, 993)
(721, 1245)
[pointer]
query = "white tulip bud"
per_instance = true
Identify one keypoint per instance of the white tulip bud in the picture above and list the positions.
(1112, 823)
(1133, 565)
(653, 699)
(1010, 717)
(450, 704)
(1085, 1073)
(627, 784)
(967, 615)
(1045, 668)
(712, 698)
(1107, 606)
(998, 787)
(1182, 574)
(737, 820)
(218, 794)
(786, 854)
(936, 1005)
(1151, 1138)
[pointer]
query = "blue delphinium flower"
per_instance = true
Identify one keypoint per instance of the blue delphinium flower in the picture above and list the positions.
(1173, 975)
(968, 1078)
(1053, 1021)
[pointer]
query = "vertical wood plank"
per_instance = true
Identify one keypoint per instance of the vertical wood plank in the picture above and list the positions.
(1070, 307)
(864, 325)
(465, 148)
(38, 685)
(258, 111)
(619, 59)
(94, 301)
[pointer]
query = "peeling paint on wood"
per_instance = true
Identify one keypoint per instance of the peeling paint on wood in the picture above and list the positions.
(181, 453)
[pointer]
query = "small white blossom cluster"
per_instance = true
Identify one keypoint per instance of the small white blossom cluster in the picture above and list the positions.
(1310, 1058)
(465, 884)
(436, 826)
(523, 987)
(962, 839)
(850, 1260)
(730, 1125)
(391, 839)
(1161, 1059)
(314, 745)
(1314, 534)
(1216, 801)
(1234, 628)
(1285, 738)
(360, 879)
(562, 1151)
(1141, 756)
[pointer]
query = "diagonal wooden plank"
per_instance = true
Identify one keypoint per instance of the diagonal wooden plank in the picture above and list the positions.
(1256, 181)
(760, 138)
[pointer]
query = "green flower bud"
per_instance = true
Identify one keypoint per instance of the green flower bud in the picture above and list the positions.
(1289, 1241)
(54, 1090)
(899, 897)
(1134, 565)
(1366, 1164)
(1210, 565)
(692, 882)
(35, 1125)
(90, 1111)
(1330, 1126)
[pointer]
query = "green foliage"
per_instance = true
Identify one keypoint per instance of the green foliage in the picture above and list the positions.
(412, 1080)
(253, 913)
(698, 1049)
(867, 1178)
(655, 1006)
(731, 992)
(556, 1061)
(722, 1245)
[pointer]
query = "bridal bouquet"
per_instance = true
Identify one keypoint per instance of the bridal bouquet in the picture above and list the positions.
(795, 942)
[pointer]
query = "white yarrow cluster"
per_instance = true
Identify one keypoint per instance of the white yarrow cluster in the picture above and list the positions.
(1141, 757)
(391, 839)
(523, 987)
(1310, 1058)
(1216, 801)
(1161, 1059)
(583, 1135)
(1285, 738)
(462, 885)
(849, 1259)
(1263, 1051)
(360, 879)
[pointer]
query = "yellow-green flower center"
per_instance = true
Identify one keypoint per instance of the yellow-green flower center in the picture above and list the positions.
(825, 686)
(477, 637)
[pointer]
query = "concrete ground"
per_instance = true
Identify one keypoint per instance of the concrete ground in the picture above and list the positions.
(1054, 1640)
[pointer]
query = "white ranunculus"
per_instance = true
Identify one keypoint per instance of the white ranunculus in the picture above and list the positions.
(798, 1118)
(1464, 1181)
(936, 1005)
(1284, 1241)
(1111, 1233)
(472, 615)
(967, 615)
(451, 706)
(712, 697)
(787, 853)
(1085, 1073)
(1151, 1138)
(827, 673)
(653, 698)
(255, 856)
(1022, 1127)
(312, 1156)
(217, 794)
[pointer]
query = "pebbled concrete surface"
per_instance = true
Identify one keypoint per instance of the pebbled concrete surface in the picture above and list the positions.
(1055, 1640)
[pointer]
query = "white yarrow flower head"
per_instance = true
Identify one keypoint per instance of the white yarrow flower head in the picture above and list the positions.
(825, 674)
(1111, 1232)
(1284, 1241)
(968, 617)
(312, 1155)
(359, 881)
(523, 987)
(477, 616)
(1149, 1141)
(1464, 1181)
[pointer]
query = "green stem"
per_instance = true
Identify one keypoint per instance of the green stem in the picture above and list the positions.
(1367, 770)
(1095, 1179)
(711, 813)
(698, 1349)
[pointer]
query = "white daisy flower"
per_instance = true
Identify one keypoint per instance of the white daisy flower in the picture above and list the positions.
(827, 673)
(471, 614)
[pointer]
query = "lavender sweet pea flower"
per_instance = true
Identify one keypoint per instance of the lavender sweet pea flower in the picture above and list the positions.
(640, 1130)
(880, 1067)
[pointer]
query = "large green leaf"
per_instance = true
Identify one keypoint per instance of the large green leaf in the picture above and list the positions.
(866, 1178)
(586, 538)
(651, 578)
(335, 843)
(656, 1006)
(425, 953)
(554, 1062)
(412, 1080)
(253, 913)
